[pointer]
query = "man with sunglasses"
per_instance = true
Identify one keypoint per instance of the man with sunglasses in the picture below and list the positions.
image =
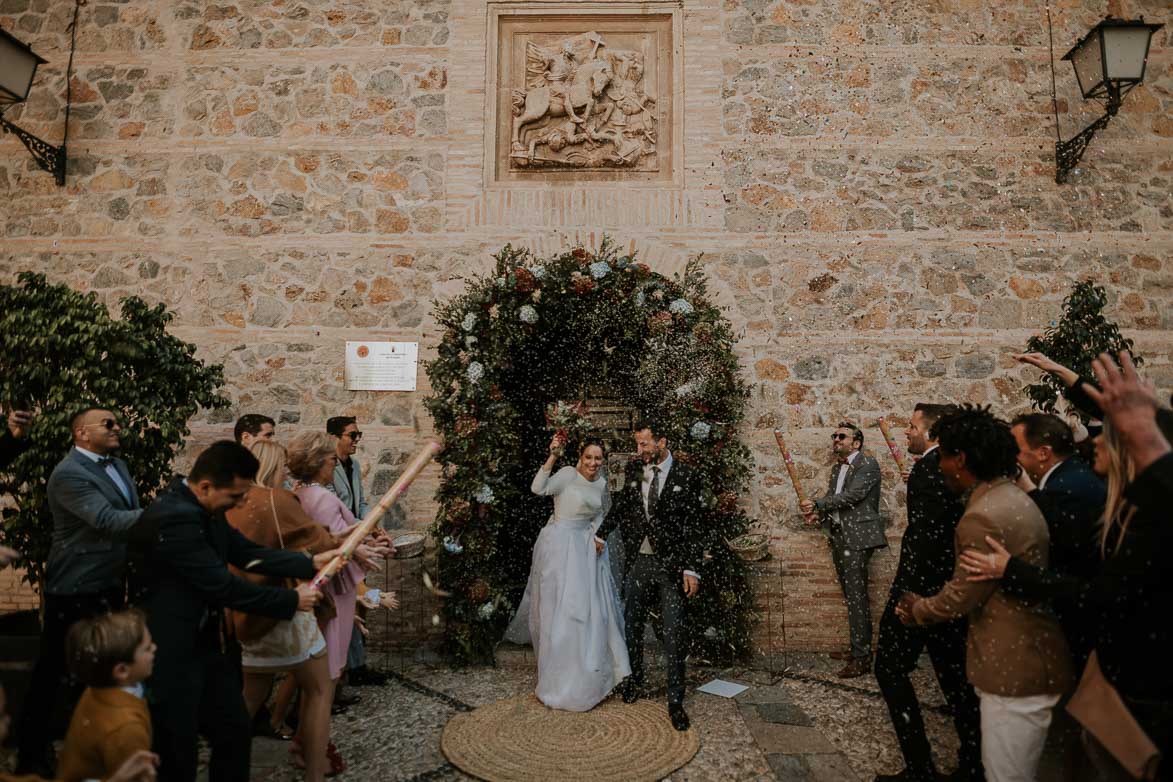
(348, 472)
(348, 487)
(95, 504)
(850, 512)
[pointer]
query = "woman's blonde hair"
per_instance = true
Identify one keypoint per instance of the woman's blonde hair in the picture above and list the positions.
(1118, 511)
(308, 452)
(272, 457)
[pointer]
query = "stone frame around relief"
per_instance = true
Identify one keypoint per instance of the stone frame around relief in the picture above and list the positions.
(652, 28)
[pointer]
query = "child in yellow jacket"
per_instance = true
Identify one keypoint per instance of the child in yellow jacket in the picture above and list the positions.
(112, 655)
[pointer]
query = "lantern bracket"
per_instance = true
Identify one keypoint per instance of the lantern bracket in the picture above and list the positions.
(48, 156)
(1068, 153)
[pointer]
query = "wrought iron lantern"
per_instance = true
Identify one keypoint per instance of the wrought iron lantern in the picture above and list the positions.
(18, 68)
(1108, 61)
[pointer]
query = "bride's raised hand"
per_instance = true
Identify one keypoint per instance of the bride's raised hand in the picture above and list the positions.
(556, 445)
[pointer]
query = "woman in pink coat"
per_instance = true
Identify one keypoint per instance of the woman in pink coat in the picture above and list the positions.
(312, 457)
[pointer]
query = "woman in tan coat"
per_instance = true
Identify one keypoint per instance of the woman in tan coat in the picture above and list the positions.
(272, 516)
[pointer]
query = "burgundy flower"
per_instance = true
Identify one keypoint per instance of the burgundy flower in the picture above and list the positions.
(478, 592)
(526, 281)
(660, 323)
(581, 283)
(466, 426)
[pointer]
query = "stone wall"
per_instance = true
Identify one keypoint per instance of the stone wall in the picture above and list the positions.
(870, 184)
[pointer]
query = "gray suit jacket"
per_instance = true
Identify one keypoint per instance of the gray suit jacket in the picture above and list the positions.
(91, 519)
(860, 524)
(342, 488)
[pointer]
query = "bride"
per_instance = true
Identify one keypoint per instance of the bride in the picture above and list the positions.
(574, 618)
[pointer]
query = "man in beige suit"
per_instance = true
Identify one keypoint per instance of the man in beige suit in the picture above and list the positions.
(1016, 655)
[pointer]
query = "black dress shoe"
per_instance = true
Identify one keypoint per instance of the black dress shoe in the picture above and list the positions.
(347, 700)
(630, 691)
(364, 676)
(855, 668)
(678, 716)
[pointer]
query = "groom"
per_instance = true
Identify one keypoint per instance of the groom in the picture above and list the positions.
(658, 514)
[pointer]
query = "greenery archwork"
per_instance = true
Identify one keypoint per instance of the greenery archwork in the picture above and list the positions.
(1080, 335)
(60, 350)
(541, 330)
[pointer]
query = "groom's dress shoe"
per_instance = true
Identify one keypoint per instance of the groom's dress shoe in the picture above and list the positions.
(631, 692)
(678, 716)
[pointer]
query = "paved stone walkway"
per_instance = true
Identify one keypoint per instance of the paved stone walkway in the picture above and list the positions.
(394, 732)
(796, 722)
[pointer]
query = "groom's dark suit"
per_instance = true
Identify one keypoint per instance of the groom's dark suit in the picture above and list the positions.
(671, 533)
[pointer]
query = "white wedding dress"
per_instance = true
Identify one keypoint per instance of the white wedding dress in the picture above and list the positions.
(570, 611)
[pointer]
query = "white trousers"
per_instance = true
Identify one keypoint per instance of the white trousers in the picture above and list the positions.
(1013, 733)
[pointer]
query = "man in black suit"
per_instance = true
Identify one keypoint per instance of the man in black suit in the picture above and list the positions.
(195, 688)
(658, 512)
(926, 564)
(95, 505)
(1072, 499)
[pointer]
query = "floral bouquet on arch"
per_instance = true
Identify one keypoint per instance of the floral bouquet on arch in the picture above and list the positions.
(568, 420)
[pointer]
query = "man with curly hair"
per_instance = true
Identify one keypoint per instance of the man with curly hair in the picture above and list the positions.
(1016, 657)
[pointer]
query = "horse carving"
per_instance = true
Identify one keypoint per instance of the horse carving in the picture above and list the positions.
(559, 83)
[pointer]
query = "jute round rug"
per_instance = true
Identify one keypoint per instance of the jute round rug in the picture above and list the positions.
(520, 739)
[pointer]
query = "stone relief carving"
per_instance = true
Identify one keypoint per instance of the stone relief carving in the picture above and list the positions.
(581, 105)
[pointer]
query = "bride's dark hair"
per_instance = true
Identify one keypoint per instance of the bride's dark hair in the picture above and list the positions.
(587, 442)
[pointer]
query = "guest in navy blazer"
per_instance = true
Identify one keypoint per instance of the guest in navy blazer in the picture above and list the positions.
(196, 687)
(1072, 499)
(95, 504)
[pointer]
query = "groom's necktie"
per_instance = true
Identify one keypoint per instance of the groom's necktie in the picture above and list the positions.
(653, 498)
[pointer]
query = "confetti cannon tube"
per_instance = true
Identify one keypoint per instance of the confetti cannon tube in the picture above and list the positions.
(790, 466)
(892, 445)
(364, 528)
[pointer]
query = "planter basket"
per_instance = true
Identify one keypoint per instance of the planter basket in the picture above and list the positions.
(409, 545)
(752, 546)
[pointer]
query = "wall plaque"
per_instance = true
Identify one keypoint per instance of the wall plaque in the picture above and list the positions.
(381, 366)
(588, 96)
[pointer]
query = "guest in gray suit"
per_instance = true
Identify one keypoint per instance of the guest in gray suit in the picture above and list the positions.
(348, 487)
(94, 504)
(850, 513)
(348, 472)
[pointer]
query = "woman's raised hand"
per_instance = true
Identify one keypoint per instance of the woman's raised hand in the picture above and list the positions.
(557, 443)
(1039, 360)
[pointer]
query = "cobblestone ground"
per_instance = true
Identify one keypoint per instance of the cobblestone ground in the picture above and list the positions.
(796, 722)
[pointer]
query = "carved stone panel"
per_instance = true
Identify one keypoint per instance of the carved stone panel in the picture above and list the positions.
(582, 97)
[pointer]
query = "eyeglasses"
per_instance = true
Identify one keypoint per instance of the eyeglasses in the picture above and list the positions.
(839, 436)
(109, 423)
(354, 436)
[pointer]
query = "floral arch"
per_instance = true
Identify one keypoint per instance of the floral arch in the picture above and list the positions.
(542, 330)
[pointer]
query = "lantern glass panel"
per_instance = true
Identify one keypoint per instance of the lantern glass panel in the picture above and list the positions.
(1124, 52)
(17, 68)
(1088, 64)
